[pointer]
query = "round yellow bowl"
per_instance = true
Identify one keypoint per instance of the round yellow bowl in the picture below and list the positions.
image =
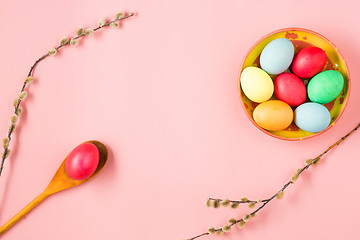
(300, 38)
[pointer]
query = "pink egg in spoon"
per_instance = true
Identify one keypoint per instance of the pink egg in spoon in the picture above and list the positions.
(82, 161)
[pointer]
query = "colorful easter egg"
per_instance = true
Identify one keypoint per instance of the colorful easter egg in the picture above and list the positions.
(273, 115)
(308, 62)
(256, 84)
(312, 117)
(325, 86)
(277, 55)
(290, 89)
(82, 161)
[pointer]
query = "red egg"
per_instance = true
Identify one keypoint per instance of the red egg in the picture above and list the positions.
(290, 88)
(82, 161)
(308, 62)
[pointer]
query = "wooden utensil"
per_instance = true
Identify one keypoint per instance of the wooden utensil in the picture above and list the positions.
(59, 182)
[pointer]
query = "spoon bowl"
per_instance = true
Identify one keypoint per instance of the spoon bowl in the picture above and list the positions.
(59, 182)
(62, 181)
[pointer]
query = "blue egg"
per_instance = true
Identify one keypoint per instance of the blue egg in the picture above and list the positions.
(277, 56)
(312, 117)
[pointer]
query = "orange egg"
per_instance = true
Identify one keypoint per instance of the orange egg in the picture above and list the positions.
(273, 115)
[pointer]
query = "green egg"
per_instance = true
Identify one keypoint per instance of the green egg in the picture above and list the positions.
(325, 86)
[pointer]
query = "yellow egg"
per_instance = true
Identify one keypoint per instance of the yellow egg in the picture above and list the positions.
(256, 84)
(273, 115)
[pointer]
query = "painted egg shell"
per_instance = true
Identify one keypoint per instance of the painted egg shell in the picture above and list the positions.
(277, 56)
(290, 88)
(82, 161)
(308, 62)
(256, 84)
(312, 117)
(325, 86)
(273, 115)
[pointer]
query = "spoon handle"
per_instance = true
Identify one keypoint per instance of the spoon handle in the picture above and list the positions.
(23, 212)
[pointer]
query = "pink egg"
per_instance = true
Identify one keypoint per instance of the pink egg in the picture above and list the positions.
(82, 161)
(290, 88)
(308, 62)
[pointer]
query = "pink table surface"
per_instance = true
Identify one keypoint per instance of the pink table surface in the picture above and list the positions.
(161, 93)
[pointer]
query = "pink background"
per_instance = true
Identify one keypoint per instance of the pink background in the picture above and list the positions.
(161, 92)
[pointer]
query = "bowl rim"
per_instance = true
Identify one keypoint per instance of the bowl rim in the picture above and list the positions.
(287, 30)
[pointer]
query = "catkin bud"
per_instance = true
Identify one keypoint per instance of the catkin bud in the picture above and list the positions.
(29, 80)
(308, 161)
(208, 203)
(244, 199)
(241, 224)
(74, 42)
(13, 118)
(64, 40)
(22, 95)
(80, 31)
(5, 142)
(52, 52)
(13, 126)
(16, 102)
(226, 202)
(280, 195)
(89, 31)
(251, 205)
(19, 111)
(101, 22)
(316, 161)
(296, 175)
(120, 15)
(219, 232)
(6, 153)
(231, 220)
(114, 24)
(246, 218)
(211, 230)
(235, 205)
(216, 204)
(226, 228)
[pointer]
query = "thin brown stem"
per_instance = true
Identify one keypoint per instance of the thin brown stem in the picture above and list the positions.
(238, 201)
(200, 235)
(12, 127)
(284, 187)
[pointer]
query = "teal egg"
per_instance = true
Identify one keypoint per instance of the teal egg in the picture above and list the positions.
(325, 86)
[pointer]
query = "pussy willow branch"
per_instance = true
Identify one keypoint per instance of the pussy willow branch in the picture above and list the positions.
(238, 201)
(278, 194)
(12, 127)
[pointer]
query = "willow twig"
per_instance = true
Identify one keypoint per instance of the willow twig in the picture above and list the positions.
(279, 194)
(63, 42)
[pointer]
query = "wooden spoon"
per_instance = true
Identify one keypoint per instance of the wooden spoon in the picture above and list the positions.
(59, 182)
